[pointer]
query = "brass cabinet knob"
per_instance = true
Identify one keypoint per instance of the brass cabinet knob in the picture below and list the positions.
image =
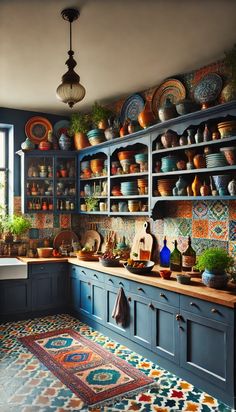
(151, 306)
(89, 297)
(129, 299)
(178, 317)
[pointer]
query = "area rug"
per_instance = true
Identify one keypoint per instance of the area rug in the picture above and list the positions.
(94, 374)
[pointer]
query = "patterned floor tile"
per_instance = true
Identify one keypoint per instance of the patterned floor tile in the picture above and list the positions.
(218, 230)
(218, 210)
(200, 209)
(200, 229)
(41, 391)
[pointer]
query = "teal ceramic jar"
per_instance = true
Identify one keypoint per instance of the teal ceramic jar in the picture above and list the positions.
(214, 280)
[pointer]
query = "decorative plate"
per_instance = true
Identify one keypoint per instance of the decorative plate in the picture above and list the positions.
(61, 127)
(65, 235)
(208, 88)
(172, 89)
(131, 108)
(37, 128)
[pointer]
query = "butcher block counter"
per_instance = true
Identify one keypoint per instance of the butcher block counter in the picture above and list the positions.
(195, 289)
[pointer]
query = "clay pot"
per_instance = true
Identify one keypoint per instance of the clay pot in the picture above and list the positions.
(124, 130)
(205, 190)
(80, 141)
(196, 186)
(146, 117)
(168, 111)
(199, 161)
(44, 145)
(102, 124)
(169, 139)
(65, 142)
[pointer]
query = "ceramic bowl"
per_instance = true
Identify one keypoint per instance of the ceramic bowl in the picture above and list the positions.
(140, 271)
(126, 154)
(165, 273)
(44, 252)
(184, 279)
(230, 154)
(109, 262)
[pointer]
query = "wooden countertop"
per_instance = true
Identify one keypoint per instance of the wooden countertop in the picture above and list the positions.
(196, 288)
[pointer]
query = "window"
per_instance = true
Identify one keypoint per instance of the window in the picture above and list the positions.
(4, 169)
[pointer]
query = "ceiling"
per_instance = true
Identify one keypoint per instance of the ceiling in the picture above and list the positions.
(121, 46)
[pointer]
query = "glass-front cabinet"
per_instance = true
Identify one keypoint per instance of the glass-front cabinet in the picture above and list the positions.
(48, 181)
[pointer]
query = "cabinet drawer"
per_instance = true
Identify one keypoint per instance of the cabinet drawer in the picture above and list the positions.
(159, 295)
(210, 310)
(92, 274)
(47, 268)
(117, 282)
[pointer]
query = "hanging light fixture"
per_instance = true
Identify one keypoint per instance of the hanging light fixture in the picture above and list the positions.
(70, 90)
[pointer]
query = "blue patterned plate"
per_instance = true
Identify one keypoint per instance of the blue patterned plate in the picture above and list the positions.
(208, 88)
(131, 108)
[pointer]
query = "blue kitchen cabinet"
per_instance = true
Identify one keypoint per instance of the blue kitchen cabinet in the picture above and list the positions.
(141, 325)
(15, 297)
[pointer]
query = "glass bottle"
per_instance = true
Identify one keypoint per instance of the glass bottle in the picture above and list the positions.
(176, 259)
(165, 255)
(188, 257)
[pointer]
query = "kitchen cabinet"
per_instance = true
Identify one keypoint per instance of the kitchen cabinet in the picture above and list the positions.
(49, 285)
(49, 181)
(15, 297)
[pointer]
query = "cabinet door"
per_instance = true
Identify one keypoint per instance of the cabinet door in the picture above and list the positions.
(74, 292)
(14, 297)
(42, 292)
(165, 334)
(60, 289)
(141, 320)
(84, 296)
(111, 296)
(206, 349)
(98, 301)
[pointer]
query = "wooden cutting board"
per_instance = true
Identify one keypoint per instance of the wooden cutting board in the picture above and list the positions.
(142, 244)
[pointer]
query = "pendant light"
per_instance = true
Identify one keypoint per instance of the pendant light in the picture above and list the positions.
(70, 91)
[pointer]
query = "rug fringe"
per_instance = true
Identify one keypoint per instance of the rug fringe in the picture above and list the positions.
(116, 399)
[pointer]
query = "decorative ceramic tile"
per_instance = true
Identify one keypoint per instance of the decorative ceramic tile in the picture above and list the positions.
(65, 221)
(218, 230)
(218, 210)
(223, 244)
(200, 228)
(170, 227)
(200, 246)
(184, 226)
(49, 220)
(182, 243)
(232, 209)
(28, 386)
(56, 221)
(184, 209)
(33, 233)
(40, 219)
(232, 230)
(157, 227)
(200, 209)
(232, 249)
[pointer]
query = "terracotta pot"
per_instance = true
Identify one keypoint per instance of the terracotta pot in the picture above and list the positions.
(205, 190)
(80, 141)
(199, 161)
(102, 124)
(45, 145)
(124, 130)
(196, 186)
(146, 117)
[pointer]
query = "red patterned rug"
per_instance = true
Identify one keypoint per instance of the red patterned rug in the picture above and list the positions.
(94, 374)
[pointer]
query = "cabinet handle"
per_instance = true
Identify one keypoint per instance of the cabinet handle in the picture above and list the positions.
(129, 299)
(178, 317)
(82, 271)
(110, 280)
(121, 284)
(214, 310)
(151, 306)
(89, 297)
(141, 290)
(73, 269)
(89, 283)
(162, 295)
(96, 276)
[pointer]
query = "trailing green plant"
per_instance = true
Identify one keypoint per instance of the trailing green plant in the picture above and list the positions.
(79, 123)
(99, 113)
(214, 260)
(15, 224)
(91, 202)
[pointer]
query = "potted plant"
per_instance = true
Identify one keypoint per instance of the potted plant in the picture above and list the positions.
(100, 115)
(14, 226)
(79, 127)
(214, 262)
(91, 203)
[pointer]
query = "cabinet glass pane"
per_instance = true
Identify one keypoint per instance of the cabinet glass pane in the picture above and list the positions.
(65, 183)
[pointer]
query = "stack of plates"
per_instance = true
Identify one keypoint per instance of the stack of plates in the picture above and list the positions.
(141, 158)
(216, 160)
(129, 188)
(168, 163)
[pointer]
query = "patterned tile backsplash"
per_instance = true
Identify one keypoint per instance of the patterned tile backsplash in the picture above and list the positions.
(209, 223)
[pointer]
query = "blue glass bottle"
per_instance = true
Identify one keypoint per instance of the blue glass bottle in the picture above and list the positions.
(165, 255)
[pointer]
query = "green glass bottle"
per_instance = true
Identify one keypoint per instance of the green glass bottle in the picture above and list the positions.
(176, 259)
(188, 257)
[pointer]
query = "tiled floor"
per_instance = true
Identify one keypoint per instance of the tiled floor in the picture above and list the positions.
(28, 386)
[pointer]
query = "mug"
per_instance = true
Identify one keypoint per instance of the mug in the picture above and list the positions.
(102, 206)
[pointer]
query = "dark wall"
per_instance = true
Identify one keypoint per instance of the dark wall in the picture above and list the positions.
(18, 119)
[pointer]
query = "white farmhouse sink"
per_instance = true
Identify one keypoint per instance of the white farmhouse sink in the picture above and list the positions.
(12, 268)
